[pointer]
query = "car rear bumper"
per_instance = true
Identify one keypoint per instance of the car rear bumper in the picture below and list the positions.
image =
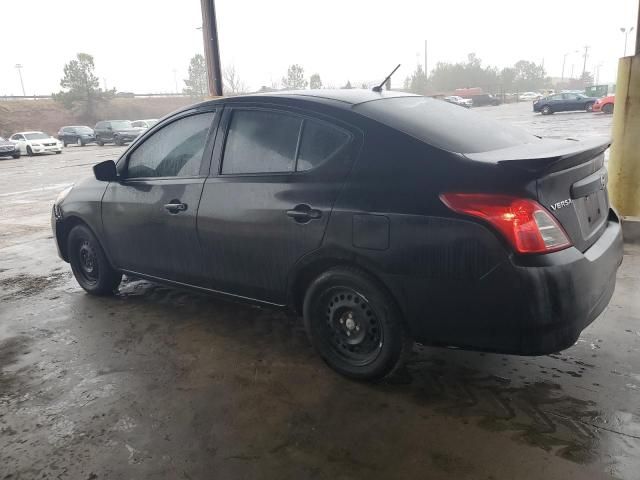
(525, 306)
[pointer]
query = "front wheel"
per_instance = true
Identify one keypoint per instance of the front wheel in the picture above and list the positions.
(608, 108)
(89, 263)
(546, 110)
(79, 142)
(29, 151)
(100, 142)
(118, 141)
(354, 324)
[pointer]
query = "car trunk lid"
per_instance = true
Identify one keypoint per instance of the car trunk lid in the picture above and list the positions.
(570, 179)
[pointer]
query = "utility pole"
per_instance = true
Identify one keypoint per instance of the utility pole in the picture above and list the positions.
(211, 47)
(426, 65)
(584, 64)
(19, 68)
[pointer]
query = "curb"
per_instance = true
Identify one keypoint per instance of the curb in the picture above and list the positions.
(631, 230)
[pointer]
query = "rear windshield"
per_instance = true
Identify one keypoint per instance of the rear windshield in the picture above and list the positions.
(444, 125)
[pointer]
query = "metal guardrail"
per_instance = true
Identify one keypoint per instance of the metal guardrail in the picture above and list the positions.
(48, 97)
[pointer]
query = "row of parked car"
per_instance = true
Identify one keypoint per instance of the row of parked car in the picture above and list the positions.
(571, 102)
(31, 143)
(106, 131)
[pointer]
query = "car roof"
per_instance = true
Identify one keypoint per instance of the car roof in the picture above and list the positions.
(345, 98)
(30, 131)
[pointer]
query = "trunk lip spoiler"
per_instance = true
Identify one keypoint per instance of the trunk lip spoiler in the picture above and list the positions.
(542, 155)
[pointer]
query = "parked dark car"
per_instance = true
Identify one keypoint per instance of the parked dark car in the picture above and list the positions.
(564, 102)
(80, 135)
(484, 99)
(8, 149)
(116, 131)
(381, 218)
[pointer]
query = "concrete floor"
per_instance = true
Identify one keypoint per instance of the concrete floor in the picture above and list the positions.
(159, 383)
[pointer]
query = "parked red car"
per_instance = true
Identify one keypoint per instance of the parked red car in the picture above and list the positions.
(604, 104)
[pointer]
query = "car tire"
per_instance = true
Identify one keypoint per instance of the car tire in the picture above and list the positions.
(79, 142)
(58, 152)
(64, 143)
(100, 142)
(547, 110)
(29, 151)
(89, 263)
(355, 325)
(118, 141)
(607, 108)
(588, 107)
(16, 155)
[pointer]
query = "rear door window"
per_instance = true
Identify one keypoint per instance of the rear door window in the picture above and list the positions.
(176, 150)
(320, 142)
(261, 141)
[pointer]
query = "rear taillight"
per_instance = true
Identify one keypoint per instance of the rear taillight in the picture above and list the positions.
(527, 226)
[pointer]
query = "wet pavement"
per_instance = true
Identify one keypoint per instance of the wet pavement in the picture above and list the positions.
(161, 383)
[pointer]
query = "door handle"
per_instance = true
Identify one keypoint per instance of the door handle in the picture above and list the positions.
(304, 213)
(176, 207)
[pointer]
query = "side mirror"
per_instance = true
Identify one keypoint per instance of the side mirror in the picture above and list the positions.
(105, 171)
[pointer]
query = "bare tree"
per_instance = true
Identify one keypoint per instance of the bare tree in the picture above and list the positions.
(233, 84)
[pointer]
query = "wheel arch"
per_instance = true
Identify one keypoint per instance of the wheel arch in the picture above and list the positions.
(312, 266)
(62, 235)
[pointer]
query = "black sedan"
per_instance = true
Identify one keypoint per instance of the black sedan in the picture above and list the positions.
(79, 135)
(564, 102)
(380, 218)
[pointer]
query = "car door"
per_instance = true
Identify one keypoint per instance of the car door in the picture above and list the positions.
(269, 199)
(149, 216)
(20, 141)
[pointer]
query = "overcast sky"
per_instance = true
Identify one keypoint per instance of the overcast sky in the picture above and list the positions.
(137, 44)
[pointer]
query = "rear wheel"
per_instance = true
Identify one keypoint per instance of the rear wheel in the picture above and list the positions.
(354, 324)
(79, 142)
(16, 155)
(588, 107)
(608, 108)
(100, 142)
(547, 110)
(29, 151)
(89, 263)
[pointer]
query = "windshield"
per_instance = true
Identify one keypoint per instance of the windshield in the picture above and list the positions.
(36, 136)
(444, 125)
(83, 130)
(121, 124)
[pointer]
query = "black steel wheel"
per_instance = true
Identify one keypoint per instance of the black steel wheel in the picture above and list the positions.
(89, 262)
(354, 324)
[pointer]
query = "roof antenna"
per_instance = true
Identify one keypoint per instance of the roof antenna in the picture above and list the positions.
(378, 88)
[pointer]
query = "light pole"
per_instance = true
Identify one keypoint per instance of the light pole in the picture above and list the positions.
(19, 68)
(564, 60)
(626, 32)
